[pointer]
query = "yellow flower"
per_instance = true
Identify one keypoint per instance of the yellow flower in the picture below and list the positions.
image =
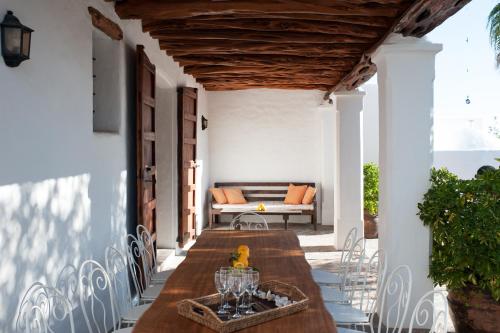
(243, 250)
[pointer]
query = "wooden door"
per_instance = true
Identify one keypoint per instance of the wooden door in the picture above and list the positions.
(145, 143)
(187, 118)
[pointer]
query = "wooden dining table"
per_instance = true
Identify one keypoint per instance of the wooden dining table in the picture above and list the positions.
(275, 253)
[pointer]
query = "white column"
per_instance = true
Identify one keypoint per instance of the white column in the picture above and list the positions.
(350, 164)
(405, 70)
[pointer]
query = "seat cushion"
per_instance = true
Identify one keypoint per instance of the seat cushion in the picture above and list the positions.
(330, 294)
(324, 277)
(347, 330)
(346, 314)
(309, 195)
(270, 206)
(295, 194)
(135, 313)
(162, 276)
(234, 196)
(219, 195)
(152, 292)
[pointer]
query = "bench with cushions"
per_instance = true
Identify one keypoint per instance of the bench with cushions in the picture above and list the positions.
(276, 197)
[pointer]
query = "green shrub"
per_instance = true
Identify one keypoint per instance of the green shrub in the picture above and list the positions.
(370, 177)
(464, 219)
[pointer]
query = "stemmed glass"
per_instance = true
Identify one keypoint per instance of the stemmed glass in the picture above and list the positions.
(227, 287)
(252, 278)
(221, 284)
(238, 285)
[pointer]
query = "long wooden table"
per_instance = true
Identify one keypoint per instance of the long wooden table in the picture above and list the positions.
(278, 256)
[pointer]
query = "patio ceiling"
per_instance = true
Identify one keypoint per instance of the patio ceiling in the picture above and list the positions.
(286, 44)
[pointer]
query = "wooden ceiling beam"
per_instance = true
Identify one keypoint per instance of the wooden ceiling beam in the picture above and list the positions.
(174, 9)
(265, 60)
(266, 80)
(203, 47)
(217, 69)
(266, 25)
(363, 21)
(224, 87)
(253, 36)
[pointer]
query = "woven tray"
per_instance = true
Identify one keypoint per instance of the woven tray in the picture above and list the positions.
(203, 309)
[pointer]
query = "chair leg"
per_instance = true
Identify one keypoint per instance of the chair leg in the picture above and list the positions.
(210, 220)
(285, 218)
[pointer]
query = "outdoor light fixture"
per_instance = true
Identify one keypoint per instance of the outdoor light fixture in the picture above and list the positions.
(204, 123)
(16, 40)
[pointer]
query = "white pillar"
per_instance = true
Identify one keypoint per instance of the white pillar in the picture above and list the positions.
(350, 164)
(405, 70)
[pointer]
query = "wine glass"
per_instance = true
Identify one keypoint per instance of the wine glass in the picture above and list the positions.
(228, 271)
(244, 300)
(252, 284)
(221, 285)
(237, 283)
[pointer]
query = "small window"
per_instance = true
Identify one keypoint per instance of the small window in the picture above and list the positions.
(106, 87)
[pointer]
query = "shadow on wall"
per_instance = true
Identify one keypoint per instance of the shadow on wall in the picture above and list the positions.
(47, 225)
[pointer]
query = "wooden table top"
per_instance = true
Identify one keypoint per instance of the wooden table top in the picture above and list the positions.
(278, 256)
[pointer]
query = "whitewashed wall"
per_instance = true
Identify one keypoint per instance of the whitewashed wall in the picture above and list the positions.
(265, 135)
(64, 190)
(465, 163)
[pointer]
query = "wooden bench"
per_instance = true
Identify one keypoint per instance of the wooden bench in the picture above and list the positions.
(256, 192)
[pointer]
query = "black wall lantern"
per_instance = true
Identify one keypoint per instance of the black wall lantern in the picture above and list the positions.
(204, 123)
(16, 40)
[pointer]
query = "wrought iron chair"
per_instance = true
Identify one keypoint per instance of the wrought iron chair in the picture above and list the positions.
(149, 262)
(423, 317)
(44, 309)
(324, 277)
(96, 298)
(392, 302)
(238, 224)
(67, 283)
(346, 264)
(116, 267)
(136, 256)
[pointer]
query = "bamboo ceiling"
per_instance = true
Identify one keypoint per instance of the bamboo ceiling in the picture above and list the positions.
(286, 44)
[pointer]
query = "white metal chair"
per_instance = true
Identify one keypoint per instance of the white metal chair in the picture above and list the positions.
(44, 309)
(423, 317)
(349, 242)
(67, 283)
(96, 298)
(392, 302)
(147, 291)
(339, 279)
(149, 262)
(116, 267)
(364, 274)
(238, 224)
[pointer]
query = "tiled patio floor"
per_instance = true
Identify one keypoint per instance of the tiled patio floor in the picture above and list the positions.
(317, 245)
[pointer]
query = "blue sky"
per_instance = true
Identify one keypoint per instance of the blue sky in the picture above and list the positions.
(453, 83)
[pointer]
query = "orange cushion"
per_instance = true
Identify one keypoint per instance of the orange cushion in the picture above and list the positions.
(219, 195)
(309, 196)
(295, 194)
(234, 196)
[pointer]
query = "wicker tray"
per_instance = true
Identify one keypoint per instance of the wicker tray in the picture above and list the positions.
(203, 309)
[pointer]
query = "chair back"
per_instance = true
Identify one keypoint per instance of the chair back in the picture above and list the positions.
(425, 314)
(371, 279)
(44, 309)
(349, 242)
(135, 258)
(116, 267)
(67, 283)
(148, 251)
(392, 303)
(97, 298)
(238, 224)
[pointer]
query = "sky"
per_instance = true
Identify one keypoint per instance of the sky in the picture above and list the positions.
(465, 68)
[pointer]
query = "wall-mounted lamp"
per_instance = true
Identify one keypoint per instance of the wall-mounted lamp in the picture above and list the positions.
(204, 123)
(16, 40)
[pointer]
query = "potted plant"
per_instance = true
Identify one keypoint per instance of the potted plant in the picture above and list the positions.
(370, 180)
(464, 219)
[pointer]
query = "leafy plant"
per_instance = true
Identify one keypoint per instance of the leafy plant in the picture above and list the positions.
(494, 28)
(464, 218)
(370, 177)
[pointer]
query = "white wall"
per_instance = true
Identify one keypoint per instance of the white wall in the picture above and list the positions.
(65, 191)
(465, 163)
(265, 135)
(370, 124)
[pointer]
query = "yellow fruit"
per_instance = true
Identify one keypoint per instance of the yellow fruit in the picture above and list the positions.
(243, 250)
(238, 264)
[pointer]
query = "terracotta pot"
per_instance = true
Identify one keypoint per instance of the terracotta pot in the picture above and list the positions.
(371, 230)
(473, 311)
